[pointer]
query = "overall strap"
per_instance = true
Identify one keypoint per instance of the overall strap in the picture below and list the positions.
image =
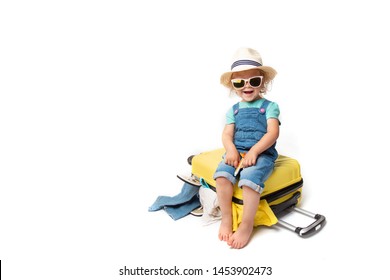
(264, 106)
(235, 108)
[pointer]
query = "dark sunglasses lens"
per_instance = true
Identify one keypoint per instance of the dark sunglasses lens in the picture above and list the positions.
(255, 82)
(238, 83)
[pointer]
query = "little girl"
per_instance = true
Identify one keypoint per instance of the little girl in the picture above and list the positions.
(249, 138)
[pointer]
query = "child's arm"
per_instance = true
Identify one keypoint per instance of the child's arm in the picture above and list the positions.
(232, 156)
(265, 142)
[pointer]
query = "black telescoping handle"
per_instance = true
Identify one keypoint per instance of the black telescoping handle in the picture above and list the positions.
(312, 228)
(309, 230)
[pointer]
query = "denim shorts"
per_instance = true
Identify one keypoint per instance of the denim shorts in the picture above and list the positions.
(253, 176)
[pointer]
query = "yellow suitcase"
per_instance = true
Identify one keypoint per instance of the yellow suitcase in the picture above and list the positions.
(282, 192)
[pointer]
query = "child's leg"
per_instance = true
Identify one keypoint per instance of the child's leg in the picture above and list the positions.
(224, 195)
(251, 181)
(251, 200)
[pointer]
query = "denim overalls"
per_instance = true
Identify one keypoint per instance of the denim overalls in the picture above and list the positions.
(250, 127)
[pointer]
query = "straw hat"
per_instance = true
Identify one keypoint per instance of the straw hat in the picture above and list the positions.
(245, 59)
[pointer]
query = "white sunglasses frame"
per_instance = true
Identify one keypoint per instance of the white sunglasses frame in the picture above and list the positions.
(247, 81)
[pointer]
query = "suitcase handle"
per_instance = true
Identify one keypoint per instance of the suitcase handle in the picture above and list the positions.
(311, 229)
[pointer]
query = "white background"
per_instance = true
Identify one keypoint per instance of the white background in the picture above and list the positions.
(101, 103)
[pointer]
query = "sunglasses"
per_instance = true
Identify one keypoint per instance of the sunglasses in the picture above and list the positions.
(254, 82)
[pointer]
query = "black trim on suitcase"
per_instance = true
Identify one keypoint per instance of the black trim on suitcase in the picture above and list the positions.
(276, 195)
(292, 201)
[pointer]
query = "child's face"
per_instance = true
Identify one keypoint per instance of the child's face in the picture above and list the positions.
(248, 93)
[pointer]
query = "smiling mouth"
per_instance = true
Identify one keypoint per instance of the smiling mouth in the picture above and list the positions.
(248, 91)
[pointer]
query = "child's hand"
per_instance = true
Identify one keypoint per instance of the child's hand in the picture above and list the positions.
(232, 158)
(249, 159)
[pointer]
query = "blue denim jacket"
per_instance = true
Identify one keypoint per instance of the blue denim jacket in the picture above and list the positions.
(180, 205)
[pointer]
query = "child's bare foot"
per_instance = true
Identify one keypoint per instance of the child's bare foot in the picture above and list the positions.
(241, 237)
(225, 230)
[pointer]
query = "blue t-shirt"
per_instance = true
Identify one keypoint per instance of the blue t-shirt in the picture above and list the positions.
(272, 111)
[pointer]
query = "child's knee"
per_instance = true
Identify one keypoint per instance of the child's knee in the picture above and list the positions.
(222, 181)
